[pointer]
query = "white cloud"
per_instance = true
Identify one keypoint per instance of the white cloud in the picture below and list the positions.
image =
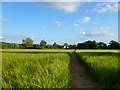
(106, 7)
(76, 25)
(97, 32)
(3, 19)
(66, 6)
(58, 23)
(1, 37)
(85, 20)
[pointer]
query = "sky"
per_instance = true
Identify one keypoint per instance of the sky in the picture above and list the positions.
(60, 22)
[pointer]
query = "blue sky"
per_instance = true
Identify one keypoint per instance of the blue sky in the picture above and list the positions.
(59, 22)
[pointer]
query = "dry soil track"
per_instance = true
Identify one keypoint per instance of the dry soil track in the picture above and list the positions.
(79, 75)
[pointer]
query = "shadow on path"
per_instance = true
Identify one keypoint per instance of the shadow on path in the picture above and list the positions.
(79, 76)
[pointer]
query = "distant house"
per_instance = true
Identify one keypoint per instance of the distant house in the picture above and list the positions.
(65, 47)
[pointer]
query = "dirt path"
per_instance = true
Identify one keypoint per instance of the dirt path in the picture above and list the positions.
(80, 78)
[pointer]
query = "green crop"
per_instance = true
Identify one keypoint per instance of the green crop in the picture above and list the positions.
(103, 66)
(49, 68)
(35, 70)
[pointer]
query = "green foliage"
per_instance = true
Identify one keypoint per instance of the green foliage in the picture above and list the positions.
(103, 66)
(35, 70)
(28, 42)
(55, 45)
(114, 44)
(5, 45)
(36, 46)
(88, 45)
(72, 46)
(48, 46)
(65, 45)
(102, 45)
(43, 44)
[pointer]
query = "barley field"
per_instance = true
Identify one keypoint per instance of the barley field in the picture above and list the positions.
(49, 68)
(35, 70)
(103, 67)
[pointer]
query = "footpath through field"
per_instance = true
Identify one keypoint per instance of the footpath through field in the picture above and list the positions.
(79, 75)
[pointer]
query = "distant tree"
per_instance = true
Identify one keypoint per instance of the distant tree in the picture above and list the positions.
(90, 44)
(28, 42)
(43, 44)
(3, 45)
(114, 45)
(11, 45)
(72, 46)
(105, 46)
(21, 46)
(102, 45)
(36, 46)
(66, 45)
(55, 45)
(81, 46)
(95, 45)
(0, 45)
(59, 46)
(16, 46)
(48, 46)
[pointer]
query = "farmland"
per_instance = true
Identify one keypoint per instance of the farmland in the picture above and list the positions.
(103, 66)
(36, 70)
(49, 68)
(60, 44)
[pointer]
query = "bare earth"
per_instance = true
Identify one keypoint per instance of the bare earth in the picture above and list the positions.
(79, 76)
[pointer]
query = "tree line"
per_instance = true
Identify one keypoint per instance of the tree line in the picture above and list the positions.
(28, 44)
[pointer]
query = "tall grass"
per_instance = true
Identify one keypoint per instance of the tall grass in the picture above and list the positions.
(103, 66)
(35, 70)
(50, 68)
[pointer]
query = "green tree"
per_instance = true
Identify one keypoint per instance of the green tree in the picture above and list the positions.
(65, 45)
(16, 46)
(72, 46)
(43, 44)
(114, 45)
(48, 46)
(28, 42)
(54, 45)
(81, 46)
(102, 45)
(36, 46)
(90, 44)
(0, 45)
